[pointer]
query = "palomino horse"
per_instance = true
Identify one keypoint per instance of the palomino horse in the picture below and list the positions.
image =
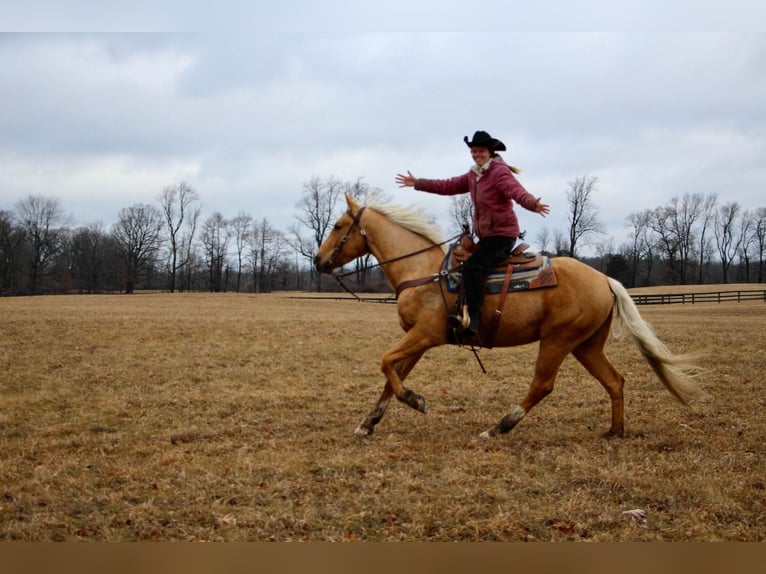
(573, 317)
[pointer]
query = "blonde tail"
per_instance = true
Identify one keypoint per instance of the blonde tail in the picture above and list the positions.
(675, 371)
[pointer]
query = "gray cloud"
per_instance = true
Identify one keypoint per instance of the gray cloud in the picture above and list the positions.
(106, 120)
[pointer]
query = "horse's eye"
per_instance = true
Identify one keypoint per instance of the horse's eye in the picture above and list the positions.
(337, 227)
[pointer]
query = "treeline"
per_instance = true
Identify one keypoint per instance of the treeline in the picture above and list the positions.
(690, 240)
(171, 247)
(163, 247)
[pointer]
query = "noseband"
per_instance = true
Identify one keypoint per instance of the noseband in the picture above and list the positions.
(354, 223)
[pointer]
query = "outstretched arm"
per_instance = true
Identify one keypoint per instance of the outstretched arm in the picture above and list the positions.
(451, 186)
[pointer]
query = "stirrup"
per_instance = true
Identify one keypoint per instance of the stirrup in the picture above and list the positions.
(465, 320)
(462, 321)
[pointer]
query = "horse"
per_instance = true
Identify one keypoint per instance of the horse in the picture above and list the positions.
(576, 316)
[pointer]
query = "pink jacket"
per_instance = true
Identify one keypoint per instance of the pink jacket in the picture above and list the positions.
(492, 194)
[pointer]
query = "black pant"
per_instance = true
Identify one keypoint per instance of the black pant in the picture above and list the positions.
(489, 252)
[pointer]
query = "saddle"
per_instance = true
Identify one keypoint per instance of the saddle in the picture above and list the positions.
(519, 272)
(522, 270)
(521, 260)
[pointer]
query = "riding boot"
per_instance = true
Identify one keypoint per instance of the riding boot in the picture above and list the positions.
(473, 326)
(474, 295)
(489, 251)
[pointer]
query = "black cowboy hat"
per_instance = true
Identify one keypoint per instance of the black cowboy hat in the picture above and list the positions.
(483, 139)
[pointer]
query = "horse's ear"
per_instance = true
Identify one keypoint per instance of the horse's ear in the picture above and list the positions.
(352, 203)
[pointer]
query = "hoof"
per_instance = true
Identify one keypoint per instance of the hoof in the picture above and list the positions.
(414, 400)
(487, 434)
(363, 431)
(420, 404)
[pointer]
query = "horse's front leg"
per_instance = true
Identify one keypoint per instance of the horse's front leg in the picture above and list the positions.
(393, 387)
(398, 361)
(367, 426)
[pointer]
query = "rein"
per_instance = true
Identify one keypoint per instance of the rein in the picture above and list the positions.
(405, 284)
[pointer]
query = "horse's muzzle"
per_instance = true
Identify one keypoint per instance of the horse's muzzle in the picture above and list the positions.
(322, 266)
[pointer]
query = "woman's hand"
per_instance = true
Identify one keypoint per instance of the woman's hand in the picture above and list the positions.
(542, 208)
(408, 180)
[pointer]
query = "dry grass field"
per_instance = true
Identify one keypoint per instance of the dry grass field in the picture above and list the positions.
(230, 418)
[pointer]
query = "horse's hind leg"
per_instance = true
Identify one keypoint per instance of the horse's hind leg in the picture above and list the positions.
(591, 354)
(547, 366)
(367, 426)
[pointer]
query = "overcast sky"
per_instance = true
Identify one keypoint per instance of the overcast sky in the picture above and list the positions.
(105, 120)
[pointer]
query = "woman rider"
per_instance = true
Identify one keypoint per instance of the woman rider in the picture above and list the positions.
(493, 189)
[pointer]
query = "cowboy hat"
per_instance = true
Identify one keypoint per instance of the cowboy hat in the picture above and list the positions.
(483, 139)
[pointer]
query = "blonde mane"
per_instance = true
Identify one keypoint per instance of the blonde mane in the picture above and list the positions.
(412, 221)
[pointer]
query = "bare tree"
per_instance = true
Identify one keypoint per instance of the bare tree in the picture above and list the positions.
(461, 213)
(604, 250)
(661, 223)
(760, 238)
(726, 237)
(746, 231)
(543, 239)
(267, 250)
(275, 256)
(706, 218)
(640, 246)
(11, 242)
(40, 218)
(317, 212)
(137, 236)
(92, 255)
(240, 228)
(675, 225)
(365, 193)
(177, 203)
(187, 248)
(583, 214)
(684, 214)
(560, 242)
(215, 237)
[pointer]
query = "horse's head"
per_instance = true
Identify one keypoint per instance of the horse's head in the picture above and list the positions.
(346, 241)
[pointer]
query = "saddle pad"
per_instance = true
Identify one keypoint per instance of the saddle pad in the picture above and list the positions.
(522, 280)
(542, 276)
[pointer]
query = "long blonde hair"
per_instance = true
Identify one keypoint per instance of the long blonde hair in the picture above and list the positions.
(513, 168)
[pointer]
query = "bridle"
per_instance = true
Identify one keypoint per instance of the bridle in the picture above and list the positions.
(356, 222)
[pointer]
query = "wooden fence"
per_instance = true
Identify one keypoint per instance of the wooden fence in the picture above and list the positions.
(691, 298)
(648, 299)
